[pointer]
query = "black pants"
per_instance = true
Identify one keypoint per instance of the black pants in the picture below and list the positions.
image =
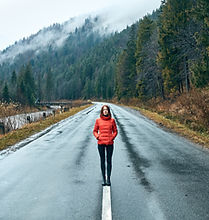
(109, 150)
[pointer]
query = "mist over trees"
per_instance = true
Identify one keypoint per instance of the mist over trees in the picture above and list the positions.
(84, 67)
(160, 54)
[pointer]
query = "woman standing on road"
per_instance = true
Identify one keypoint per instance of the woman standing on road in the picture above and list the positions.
(105, 131)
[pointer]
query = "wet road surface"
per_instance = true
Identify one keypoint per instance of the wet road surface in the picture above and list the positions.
(156, 174)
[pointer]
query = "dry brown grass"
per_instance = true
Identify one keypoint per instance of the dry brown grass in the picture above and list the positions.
(198, 137)
(17, 135)
(15, 109)
(190, 109)
(186, 114)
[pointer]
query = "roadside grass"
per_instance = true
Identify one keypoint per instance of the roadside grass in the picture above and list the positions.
(10, 109)
(26, 131)
(199, 137)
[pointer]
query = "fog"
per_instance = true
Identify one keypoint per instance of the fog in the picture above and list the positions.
(42, 39)
(114, 18)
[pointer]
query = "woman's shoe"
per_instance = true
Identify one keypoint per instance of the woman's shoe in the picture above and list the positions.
(108, 181)
(104, 182)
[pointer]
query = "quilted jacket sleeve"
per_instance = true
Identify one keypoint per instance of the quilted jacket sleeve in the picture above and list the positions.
(96, 129)
(114, 128)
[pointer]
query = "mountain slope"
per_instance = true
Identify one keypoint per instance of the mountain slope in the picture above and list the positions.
(79, 58)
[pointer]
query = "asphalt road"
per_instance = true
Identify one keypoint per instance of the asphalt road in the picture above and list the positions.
(156, 174)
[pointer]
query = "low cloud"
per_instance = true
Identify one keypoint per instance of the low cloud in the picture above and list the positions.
(114, 18)
(54, 35)
(118, 16)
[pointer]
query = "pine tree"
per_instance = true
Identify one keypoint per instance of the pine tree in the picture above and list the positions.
(26, 92)
(177, 44)
(39, 87)
(126, 69)
(122, 82)
(131, 62)
(13, 86)
(5, 94)
(30, 86)
(49, 85)
(200, 69)
(146, 53)
(14, 78)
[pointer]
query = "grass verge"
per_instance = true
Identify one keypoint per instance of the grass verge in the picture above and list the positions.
(201, 138)
(26, 131)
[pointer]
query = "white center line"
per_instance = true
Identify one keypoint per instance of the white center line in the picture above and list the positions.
(106, 204)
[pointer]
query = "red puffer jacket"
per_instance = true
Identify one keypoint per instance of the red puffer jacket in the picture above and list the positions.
(105, 130)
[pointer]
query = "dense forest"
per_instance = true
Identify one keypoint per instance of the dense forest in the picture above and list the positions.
(169, 54)
(163, 53)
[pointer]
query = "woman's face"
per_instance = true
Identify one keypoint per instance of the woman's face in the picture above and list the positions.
(105, 111)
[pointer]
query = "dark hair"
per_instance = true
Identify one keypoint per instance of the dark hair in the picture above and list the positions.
(108, 108)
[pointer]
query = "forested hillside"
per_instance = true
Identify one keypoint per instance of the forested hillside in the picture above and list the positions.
(83, 67)
(163, 53)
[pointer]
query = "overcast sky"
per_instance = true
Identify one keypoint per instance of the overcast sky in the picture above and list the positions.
(21, 18)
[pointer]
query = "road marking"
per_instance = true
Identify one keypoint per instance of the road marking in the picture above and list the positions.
(106, 204)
